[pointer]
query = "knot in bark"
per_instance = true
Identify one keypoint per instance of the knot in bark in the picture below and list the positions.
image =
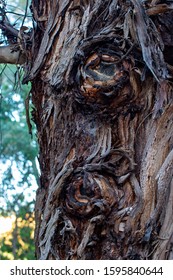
(103, 77)
(90, 195)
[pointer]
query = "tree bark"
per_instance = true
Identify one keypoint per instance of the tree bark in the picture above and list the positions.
(8, 55)
(101, 75)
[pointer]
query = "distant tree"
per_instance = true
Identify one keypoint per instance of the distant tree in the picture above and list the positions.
(18, 152)
(18, 243)
(17, 147)
(101, 74)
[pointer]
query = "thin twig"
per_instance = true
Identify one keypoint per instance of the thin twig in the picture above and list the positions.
(17, 14)
(26, 9)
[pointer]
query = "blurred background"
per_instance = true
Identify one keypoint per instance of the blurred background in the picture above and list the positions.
(19, 169)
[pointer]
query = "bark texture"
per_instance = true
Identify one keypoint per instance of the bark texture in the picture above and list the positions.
(8, 55)
(101, 85)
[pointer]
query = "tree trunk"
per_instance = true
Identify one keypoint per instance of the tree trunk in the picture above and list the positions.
(102, 93)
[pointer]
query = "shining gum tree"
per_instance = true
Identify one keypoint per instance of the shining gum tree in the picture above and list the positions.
(101, 74)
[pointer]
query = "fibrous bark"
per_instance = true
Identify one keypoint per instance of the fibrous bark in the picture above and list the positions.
(101, 85)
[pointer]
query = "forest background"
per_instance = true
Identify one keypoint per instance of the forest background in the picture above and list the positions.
(18, 152)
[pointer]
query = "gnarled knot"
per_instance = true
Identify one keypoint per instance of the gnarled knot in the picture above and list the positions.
(91, 194)
(102, 76)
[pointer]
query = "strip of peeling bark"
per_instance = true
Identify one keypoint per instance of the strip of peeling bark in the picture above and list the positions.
(8, 55)
(159, 9)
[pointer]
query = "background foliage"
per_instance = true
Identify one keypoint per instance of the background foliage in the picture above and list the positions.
(18, 154)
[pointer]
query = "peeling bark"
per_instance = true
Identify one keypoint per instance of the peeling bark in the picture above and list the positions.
(103, 109)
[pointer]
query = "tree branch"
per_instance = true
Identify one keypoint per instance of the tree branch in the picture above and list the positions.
(8, 55)
(10, 28)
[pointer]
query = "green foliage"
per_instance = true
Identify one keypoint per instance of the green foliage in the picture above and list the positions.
(19, 173)
(17, 243)
(18, 152)
(18, 156)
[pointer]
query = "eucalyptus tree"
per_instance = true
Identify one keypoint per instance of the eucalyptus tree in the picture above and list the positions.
(101, 74)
